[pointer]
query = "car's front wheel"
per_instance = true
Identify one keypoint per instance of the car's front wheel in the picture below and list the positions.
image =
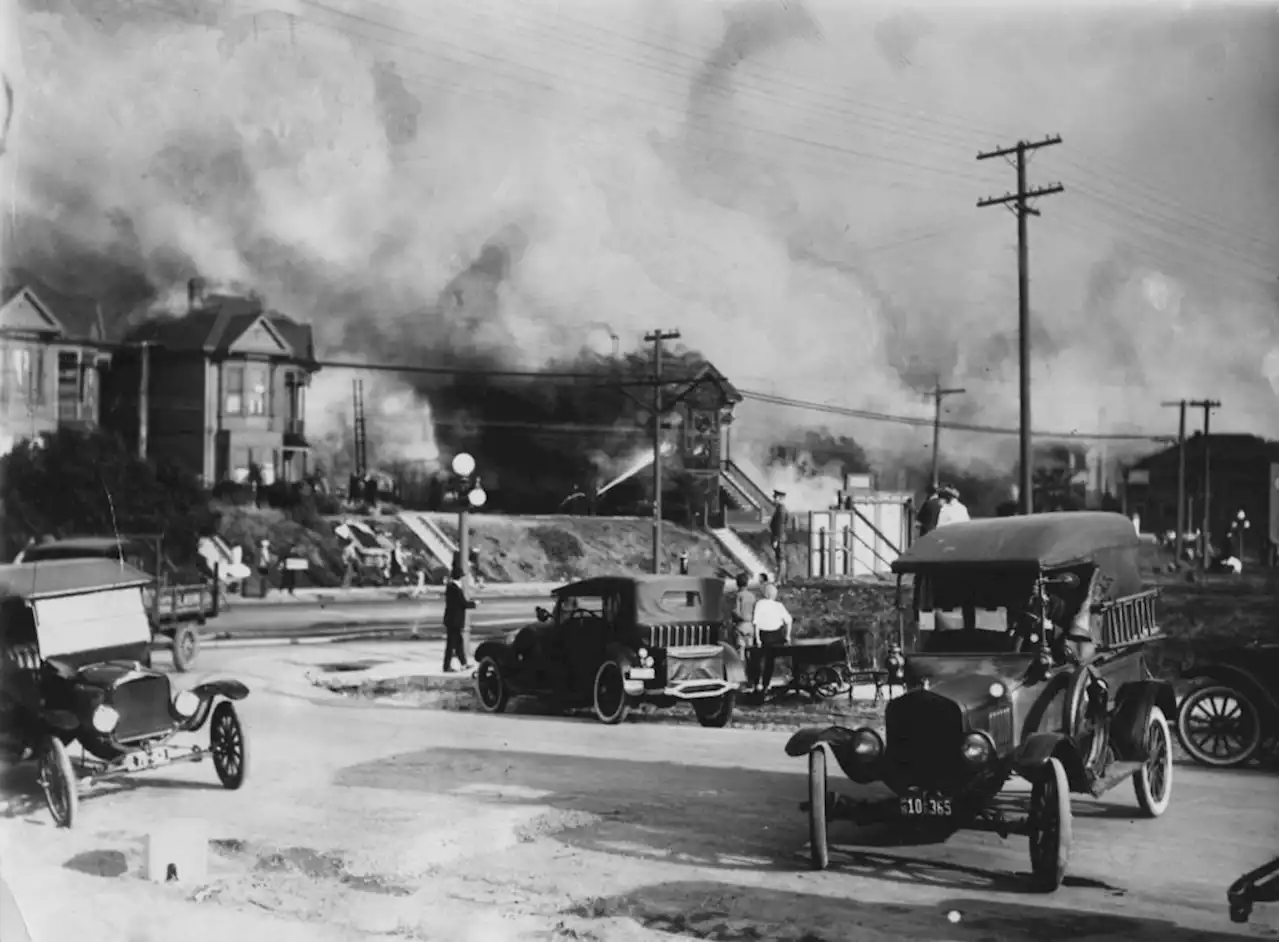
(1153, 783)
(491, 686)
(58, 782)
(819, 851)
(610, 694)
(186, 645)
(715, 712)
(1049, 826)
(227, 744)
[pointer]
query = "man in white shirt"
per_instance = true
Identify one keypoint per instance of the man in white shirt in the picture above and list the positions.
(771, 628)
(951, 511)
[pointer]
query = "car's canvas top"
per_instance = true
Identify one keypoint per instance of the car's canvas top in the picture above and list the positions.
(67, 577)
(658, 599)
(1041, 541)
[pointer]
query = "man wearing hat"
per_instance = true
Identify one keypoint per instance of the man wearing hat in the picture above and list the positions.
(778, 534)
(951, 511)
(929, 510)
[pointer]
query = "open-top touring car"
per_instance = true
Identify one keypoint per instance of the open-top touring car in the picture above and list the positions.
(75, 670)
(614, 641)
(1028, 641)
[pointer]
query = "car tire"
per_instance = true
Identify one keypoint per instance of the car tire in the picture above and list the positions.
(609, 695)
(58, 782)
(826, 683)
(227, 746)
(715, 712)
(1203, 723)
(819, 851)
(1153, 783)
(491, 686)
(186, 645)
(1049, 826)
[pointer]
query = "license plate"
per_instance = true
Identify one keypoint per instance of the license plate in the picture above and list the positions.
(924, 806)
(148, 760)
(641, 673)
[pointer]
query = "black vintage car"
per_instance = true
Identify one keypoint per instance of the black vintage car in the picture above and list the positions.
(1028, 641)
(1229, 716)
(614, 641)
(75, 670)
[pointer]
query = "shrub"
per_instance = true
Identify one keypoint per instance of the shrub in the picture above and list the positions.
(561, 546)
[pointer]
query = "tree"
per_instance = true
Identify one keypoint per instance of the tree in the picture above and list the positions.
(76, 482)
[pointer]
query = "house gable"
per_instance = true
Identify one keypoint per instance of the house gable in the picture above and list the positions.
(262, 338)
(25, 313)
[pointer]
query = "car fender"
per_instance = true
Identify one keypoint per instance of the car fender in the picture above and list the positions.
(500, 651)
(1132, 713)
(231, 689)
(838, 742)
(1038, 748)
(62, 720)
(1231, 676)
(804, 741)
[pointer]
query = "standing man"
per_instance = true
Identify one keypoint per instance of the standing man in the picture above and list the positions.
(264, 568)
(744, 607)
(951, 511)
(778, 534)
(772, 629)
(457, 608)
(929, 510)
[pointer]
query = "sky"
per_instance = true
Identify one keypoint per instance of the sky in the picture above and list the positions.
(792, 185)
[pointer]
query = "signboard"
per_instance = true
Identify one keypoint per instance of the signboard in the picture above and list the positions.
(1275, 490)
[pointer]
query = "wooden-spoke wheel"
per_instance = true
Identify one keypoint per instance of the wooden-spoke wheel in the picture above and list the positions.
(227, 744)
(1153, 783)
(610, 697)
(58, 782)
(1219, 726)
(1049, 826)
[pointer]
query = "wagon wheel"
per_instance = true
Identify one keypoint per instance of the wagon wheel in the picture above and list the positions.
(819, 852)
(186, 645)
(715, 712)
(1049, 826)
(58, 782)
(1153, 783)
(1219, 726)
(491, 686)
(227, 744)
(826, 682)
(610, 695)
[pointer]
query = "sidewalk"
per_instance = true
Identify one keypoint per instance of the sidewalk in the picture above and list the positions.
(339, 595)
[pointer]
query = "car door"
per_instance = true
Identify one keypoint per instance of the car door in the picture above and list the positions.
(584, 633)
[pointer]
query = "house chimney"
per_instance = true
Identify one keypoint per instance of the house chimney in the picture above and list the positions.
(195, 295)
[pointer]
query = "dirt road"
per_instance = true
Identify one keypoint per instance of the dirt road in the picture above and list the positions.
(362, 821)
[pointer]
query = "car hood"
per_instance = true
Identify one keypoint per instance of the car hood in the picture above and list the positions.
(108, 675)
(967, 679)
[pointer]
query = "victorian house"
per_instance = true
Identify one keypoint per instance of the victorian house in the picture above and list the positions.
(50, 358)
(218, 389)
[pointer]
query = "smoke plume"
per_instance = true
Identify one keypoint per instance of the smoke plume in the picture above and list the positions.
(790, 184)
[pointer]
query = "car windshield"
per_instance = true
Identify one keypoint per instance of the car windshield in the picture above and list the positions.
(582, 606)
(959, 611)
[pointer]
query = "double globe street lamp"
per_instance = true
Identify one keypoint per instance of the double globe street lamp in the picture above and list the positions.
(471, 496)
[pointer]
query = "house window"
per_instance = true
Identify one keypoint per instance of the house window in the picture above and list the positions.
(20, 373)
(69, 395)
(234, 404)
(256, 400)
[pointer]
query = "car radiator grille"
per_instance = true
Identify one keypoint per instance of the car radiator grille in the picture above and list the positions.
(924, 733)
(143, 705)
(683, 636)
(1000, 727)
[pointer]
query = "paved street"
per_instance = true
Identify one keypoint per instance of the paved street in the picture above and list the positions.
(366, 821)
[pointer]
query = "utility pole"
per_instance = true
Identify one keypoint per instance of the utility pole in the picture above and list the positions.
(656, 338)
(1020, 209)
(938, 394)
(144, 397)
(1208, 405)
(1182, 476)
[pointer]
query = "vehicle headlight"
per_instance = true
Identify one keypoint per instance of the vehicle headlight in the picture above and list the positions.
(186, 703)
(105, 719)
(996, 690)
(867, 744)
(642, 653)
(977, 749)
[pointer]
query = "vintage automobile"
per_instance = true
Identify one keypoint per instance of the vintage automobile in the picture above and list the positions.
(1029, 639)
(177, 606)
(1229, 716)
(75, 669)
(614, 641)
(1257, 886)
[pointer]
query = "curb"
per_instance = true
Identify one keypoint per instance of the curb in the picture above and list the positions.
(388, 631)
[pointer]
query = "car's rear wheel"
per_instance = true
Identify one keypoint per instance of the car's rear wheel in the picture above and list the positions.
(1153, 783)
(715, 712)
(186, 645)
(58, 782)
(826, 683)
(1049, 826)
(610, 694)
(1219, 726)
(228, 746)
(491, 686)
(819, 852)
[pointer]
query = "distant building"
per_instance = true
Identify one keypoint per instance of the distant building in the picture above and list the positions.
(1240, 478)
(225, 388)
(50, 358)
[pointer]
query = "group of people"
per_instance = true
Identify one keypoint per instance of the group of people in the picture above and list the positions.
(941, 507)
(762, 626)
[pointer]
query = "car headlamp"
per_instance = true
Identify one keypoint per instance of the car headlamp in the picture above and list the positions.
(186, 703)
(996, 690)
(646, 659)
(977, 749)
(867, 744)
(105, 719)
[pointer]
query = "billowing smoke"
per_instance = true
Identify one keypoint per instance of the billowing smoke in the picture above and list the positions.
(790, 184)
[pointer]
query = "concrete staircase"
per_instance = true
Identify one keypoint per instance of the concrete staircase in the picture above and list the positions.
(431, 536)
(741, 553)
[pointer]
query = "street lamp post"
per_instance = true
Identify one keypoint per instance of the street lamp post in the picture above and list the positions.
(1239, 525)
(470, 496)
